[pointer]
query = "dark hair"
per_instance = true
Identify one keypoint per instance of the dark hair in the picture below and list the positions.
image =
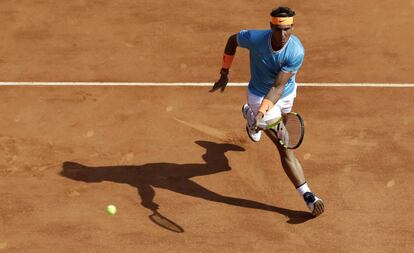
(282, 12)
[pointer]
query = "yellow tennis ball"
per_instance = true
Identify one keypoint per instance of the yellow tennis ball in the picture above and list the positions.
(111, 209)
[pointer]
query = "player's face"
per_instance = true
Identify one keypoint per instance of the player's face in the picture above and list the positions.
(281, 33)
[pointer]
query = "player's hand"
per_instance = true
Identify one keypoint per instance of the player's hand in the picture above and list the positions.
(221, 83)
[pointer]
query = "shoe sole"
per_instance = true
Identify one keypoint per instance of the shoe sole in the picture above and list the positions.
(242, 110)
(248, 134)
(318, 208)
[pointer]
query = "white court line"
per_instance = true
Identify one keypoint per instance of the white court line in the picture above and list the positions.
(384, 85)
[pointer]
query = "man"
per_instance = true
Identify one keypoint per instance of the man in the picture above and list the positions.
(275, 57)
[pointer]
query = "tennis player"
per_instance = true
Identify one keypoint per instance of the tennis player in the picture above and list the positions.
(275, 57)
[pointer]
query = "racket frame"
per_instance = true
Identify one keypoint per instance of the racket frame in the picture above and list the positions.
(270, 127)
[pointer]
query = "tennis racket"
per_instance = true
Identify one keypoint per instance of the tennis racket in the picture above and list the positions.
(289, 130)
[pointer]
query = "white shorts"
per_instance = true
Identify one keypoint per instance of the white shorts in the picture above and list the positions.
(282, 106)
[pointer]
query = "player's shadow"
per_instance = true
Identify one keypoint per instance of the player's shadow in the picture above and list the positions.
(177, 178)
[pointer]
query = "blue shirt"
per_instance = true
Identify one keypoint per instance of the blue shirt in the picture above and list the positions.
(265, 63)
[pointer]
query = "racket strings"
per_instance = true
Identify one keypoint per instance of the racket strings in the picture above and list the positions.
(289, 131)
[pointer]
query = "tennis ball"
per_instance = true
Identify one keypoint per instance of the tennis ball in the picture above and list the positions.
(111, 209)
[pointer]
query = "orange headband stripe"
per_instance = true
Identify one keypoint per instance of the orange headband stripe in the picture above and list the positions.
(282, 20)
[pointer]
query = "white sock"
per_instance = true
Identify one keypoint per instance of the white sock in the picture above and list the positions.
(302, 189)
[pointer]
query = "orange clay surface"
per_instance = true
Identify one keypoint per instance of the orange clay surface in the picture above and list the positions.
(176, 160)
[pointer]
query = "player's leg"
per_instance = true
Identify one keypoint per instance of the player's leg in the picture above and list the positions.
(290, 163)
(294, 171)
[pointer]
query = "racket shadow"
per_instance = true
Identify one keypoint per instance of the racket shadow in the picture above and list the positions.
(177, 178)
(164, 222)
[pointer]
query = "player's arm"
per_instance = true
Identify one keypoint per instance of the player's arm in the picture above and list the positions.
(274, 93)
(229, 52)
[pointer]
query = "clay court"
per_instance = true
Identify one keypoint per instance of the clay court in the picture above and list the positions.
(181, 154)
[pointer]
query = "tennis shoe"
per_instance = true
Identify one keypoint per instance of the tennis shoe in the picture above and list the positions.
(251, 132)
(314, 204)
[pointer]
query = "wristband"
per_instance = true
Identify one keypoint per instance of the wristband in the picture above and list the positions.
(227, 61)
(224, 71)
(265, 106)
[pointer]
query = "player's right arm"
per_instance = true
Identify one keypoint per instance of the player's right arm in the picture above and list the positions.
(229, 52)
(289, 68)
